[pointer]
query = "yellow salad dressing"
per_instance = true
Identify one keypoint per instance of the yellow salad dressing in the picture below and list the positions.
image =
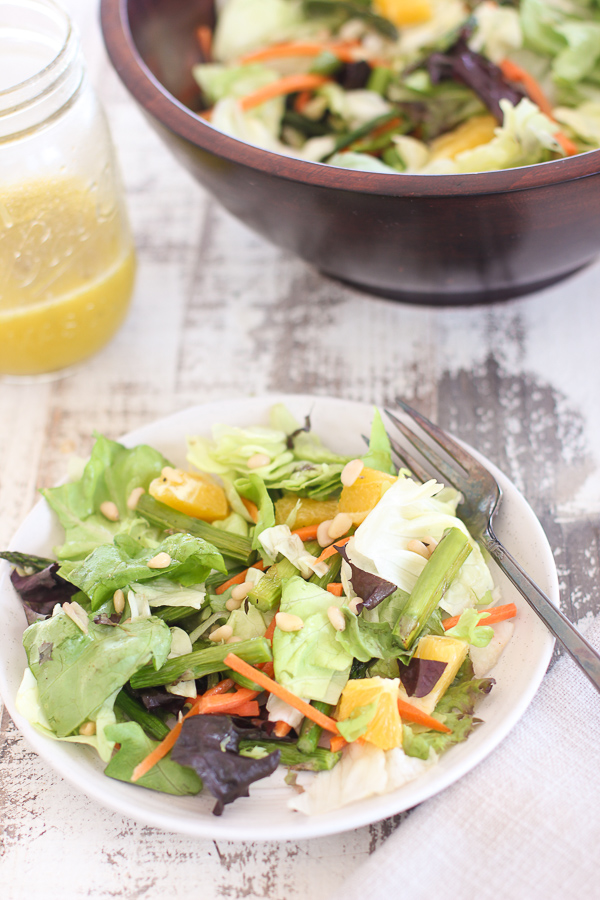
(67, 269)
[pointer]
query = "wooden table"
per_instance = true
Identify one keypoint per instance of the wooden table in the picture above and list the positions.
(219, 313)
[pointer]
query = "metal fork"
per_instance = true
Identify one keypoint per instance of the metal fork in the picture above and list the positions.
(481, 495)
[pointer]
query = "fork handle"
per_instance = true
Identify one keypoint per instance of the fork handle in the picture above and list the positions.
(565, 632)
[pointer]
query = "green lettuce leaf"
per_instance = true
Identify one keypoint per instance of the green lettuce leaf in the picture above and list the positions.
(357, 723)
(379, 454)
(117, 565)
(76, 673)
(166, 776)
(111, 474)
(310, 662)
(468, 629)
(247, 25)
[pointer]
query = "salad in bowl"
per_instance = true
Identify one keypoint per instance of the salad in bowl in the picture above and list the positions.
(409, 86)
(271, 606)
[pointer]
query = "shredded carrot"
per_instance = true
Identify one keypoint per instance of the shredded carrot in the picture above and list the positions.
(343, 51)
(160, 751)
(307, 533)
(271, 629)
(268, 668)
(331, 550)
(412, 714)
(301, 101)
(496, 614)
(252, 509)
(206, 114)
(250, 708)
(515, 73)
(238, 665)
(337, 743)
(238, 579)
(289, 84)
(336, 588)
(281, 729)
(204, 38)
(220, 688)
(566, 143)
(222, 703)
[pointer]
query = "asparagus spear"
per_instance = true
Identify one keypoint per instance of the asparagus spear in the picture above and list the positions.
(202, 662)
(174, 613)
(310, 732)
(154, 726)
(332, 574)
(233, 545)
(317, 761)
(433, 582)
(266, 593)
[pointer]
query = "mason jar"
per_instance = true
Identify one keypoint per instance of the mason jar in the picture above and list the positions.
(67, 260)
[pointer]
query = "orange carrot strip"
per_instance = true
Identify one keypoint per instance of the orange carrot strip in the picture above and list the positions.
(268, 668)
(238, 665)
(252, 509)
(412, 714)
(238, 579)
(301, 101)
(222, 703)
(157, 754)
(250, 708)
(329, 551)
(515, 73)
(271, 629)
(307, 533)
(281, 729)
(343, 51)
(496, 614)
(337, 743)
(204, 38)
(336, 588)
(289, 84)
(220, 688)
(566, 143)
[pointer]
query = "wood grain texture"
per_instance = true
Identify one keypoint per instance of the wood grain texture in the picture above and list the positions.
(220, 313)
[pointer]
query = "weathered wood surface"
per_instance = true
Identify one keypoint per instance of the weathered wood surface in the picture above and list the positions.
(218, 313)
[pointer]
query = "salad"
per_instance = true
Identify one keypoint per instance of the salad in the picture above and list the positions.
(276, 605)
(415, 86)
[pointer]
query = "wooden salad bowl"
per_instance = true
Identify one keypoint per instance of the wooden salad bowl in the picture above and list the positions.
(451, 239)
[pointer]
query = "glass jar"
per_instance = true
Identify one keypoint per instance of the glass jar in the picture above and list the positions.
(66, 254)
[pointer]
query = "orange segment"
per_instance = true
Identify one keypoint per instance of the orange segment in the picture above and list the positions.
(309, 512)
(385, 728)
(191, 493)
(361, 497)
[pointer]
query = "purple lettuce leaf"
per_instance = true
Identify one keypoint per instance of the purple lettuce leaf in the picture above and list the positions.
(158, 698)
(420, 676)
(42, 590)
(460, 63)
(370, 588)
(210, 744)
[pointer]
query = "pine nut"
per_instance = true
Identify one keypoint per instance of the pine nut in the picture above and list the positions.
(336, 617)
(354, 604)
(241, 591)
(119, 601)
(340, 525)
(430, 543)
(110, 510)
(77, 614)
(88, 729)
(160, 561)
(419, 547)
(175, 476)
(323, 538)
(221, 634)
(258, 461)
(288, 622)
(232, 604)
(351, 471)
(234, 640)
(132, 500)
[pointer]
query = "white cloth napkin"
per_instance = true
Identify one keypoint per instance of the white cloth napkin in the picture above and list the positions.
(525, 824)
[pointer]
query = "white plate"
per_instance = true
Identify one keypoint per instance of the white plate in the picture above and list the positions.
(264, 815)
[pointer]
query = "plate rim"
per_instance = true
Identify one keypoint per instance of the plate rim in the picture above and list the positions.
(346, 818)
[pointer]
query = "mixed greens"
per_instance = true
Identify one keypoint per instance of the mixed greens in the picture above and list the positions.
(278, 605)
(415, 86)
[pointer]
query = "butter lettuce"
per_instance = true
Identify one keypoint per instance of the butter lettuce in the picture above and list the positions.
(76, 673)
(247, 25)
(166, 776)
(124, 562)
(311, 662)
(111, 474)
